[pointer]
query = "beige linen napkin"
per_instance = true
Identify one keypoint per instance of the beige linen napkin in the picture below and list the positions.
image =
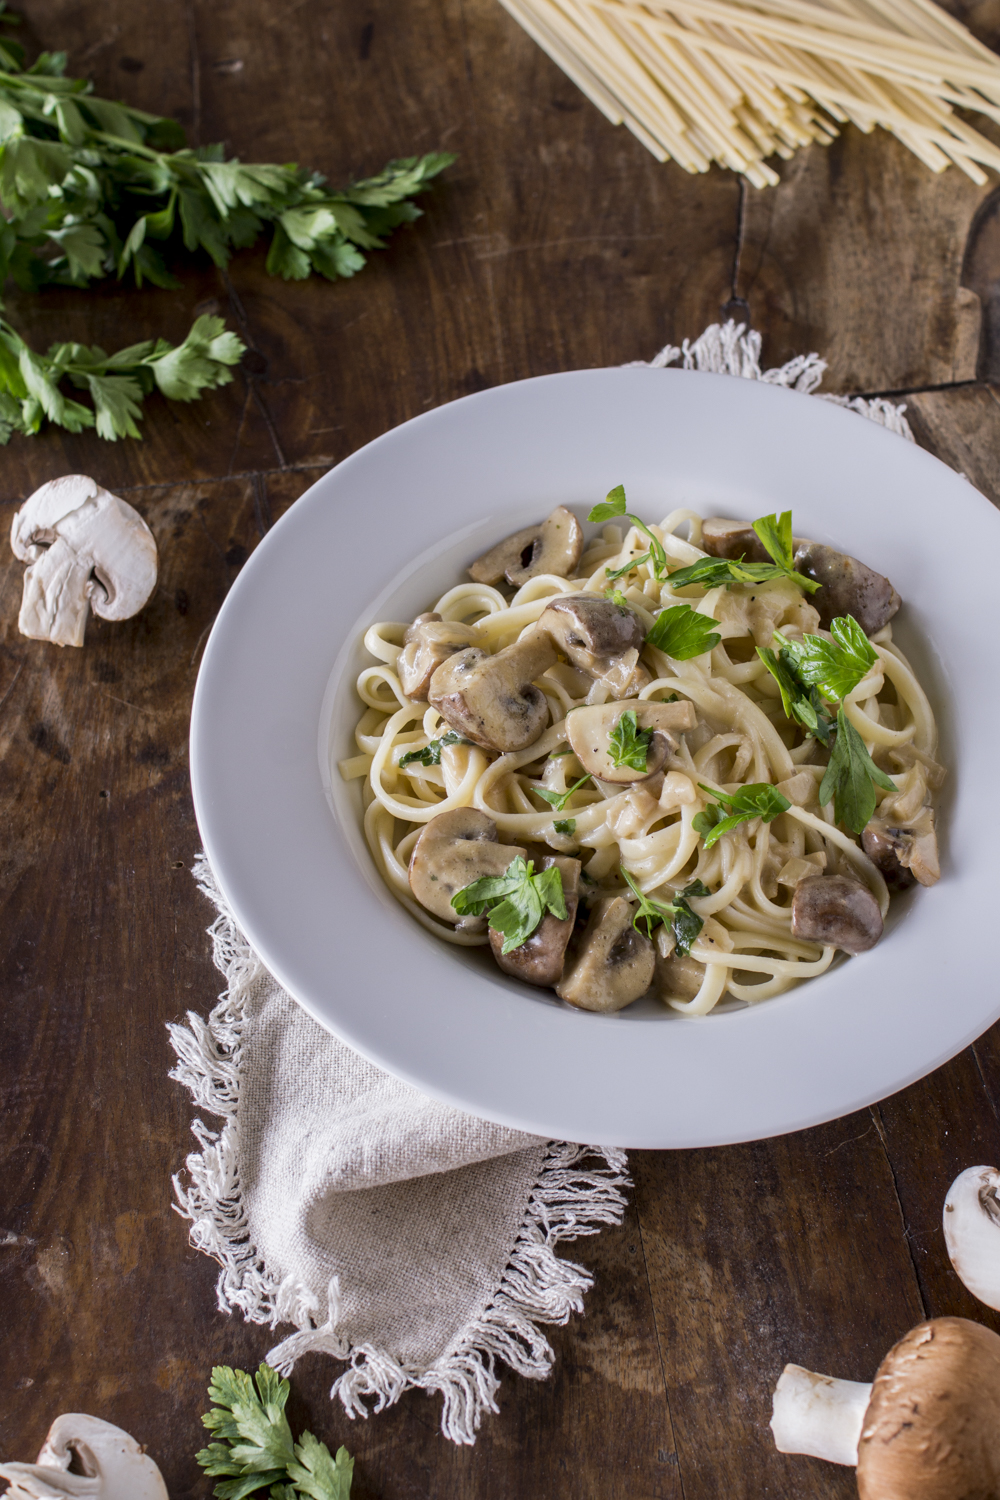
(404, 1237)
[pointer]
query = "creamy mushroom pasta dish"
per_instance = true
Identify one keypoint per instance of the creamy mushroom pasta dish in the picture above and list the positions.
(685, 760)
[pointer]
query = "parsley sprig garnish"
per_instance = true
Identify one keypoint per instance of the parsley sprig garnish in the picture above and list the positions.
(628, 745)
(614, 505)
(680, 632)
(558, 800)
(430, 754)
(516, 901)
(835, 666)
(757, 800)
(775, 532)
(253, 1446)
(676, 914)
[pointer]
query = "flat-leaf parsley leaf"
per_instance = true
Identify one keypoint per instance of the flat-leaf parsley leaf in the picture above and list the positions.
(628, 745)
(676, 914)
(757, 800)
(849, 776)
(680, 632)
(516, 901)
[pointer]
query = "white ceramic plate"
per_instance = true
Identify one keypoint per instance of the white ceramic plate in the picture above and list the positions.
(387, 531)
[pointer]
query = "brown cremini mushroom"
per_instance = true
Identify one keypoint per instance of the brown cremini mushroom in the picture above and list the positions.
(453, 850)
(721, 537)
(589, 731)
(597, 636)
(612, 964)
(925, 1429)
(426, 644)
(492, 700)
(108, 1464)
(540, 959)
(550, 546)
(837, 912)
(847, 587)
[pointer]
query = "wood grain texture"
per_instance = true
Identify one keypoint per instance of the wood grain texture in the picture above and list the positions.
(555, 242)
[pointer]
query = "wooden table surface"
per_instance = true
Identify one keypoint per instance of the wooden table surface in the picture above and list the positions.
(555, 243)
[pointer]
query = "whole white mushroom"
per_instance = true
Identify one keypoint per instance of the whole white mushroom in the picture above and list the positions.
(85, 549)
(113, 1465)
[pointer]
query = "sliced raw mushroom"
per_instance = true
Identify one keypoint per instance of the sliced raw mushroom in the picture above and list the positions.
(492, 700)
(724, 538)
(589, 732)
(427, 643)
(86, 549)
(903, 855)
(837, 912)
(110, 1465)
(847, 587)
(550, 546)
(540, 959)
(612, 965)
(925, 1429)
(972, 1232)
(453, 850)
(597, 636)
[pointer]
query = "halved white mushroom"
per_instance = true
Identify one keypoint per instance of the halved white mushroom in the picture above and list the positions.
(492, 700)
(86, 549)
(113, 1465)
(453, 850)
(539, 960)
(426, 644)
(597, 636)
(836, 911)
(550, 546)
(972, 1231)
(612, 965)
(589, 731)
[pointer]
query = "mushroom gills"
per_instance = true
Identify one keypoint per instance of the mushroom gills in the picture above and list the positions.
(612, 964)
(453, 850)
(428, 642)
(492, 700)
(540, 959)
(589, 732)
(971, 1222)
(837, 912)
(550, 546)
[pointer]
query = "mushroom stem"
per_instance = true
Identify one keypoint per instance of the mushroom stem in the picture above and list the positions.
(972, 1232)
(818, 1415)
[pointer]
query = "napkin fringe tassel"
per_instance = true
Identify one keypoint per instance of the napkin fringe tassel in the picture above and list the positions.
(579, 1190)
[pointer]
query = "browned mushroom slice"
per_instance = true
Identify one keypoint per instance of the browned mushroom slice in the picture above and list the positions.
(427, 643)
(550, 546)
(492, 699)
(540, 959)
(589, 731)
(837, 912)
(903, 855)
(454, 849)
(596, 635)
(724, 538)
(847, 587)
(613, 964)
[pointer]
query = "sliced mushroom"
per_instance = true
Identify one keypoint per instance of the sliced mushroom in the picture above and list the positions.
(847, 587)
(837, 912)
(723, 538)
(598, 636)
(110, 1465)
(540, 960)
(971, 1222)
(427, 643)
(86, 549)
(903, 855)
(550, 546)
(492, 699)
(613, 964)
(454, 849)
(589, 732)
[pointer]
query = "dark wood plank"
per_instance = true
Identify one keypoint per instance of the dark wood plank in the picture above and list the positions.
(962, 427)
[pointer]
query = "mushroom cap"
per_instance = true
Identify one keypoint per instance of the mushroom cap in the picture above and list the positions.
(113, 1464)
(550, 546)
(931, 1429)
(453, 850)
(592, 632)
(836, 911)
(589, 733)
(612, 965)
(721, 537)
(847, 587)
(107, 535)
(540, 959)
(492, 699)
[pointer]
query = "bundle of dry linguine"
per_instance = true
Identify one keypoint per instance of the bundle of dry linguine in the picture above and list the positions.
(736, 81)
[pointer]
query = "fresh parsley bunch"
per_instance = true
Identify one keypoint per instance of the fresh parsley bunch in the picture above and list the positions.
(757, 800)
(516, 901)
(775, 532)
(253, 1447)
(676, 914)
(92, 188)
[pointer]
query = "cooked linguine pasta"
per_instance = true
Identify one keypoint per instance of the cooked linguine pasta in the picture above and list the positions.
(645, 828)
